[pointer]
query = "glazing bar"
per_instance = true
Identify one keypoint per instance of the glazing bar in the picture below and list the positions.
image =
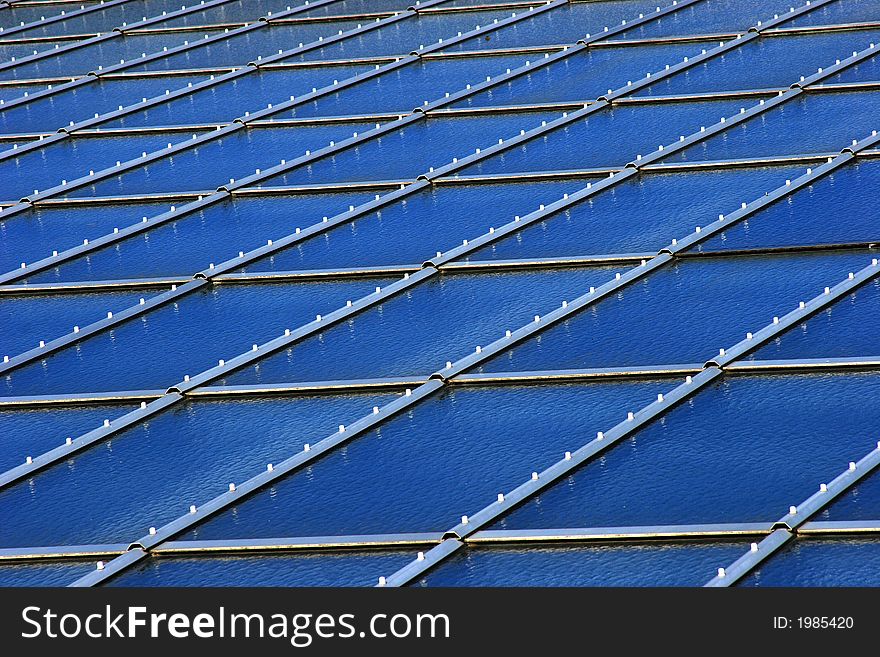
(492, 537)
(560, 376)
(804, 365)
(61, 552)
(819, 29)
(488, 538)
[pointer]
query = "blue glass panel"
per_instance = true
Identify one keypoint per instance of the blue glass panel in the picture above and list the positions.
(448, 456)
(71, 158)
(213, 235)
(415, 334)
(33, 431)
(563, 25)
(642, 214)
(763, 64)
(684, 564)
(239, 49)
(682, 313)
(27, 319)
(743, 450)
(213, 163)
(865, 71)
(606, 138)
(312, 569)
(806, 124)
(52, 573)
(80, 103)
(230, 100)
(850, 11)
(808, 215)
(191, 335)
(709, 17)
(402, 89)
(580, 77)
(811, 562)
(422, 144)
(9, 92)
(14, 16)
(150, 474)
(848, 328)
(418, 226)
(46, 229)
(88, 57)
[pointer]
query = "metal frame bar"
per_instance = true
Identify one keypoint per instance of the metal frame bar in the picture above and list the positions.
(400, 383)
(463, 266)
